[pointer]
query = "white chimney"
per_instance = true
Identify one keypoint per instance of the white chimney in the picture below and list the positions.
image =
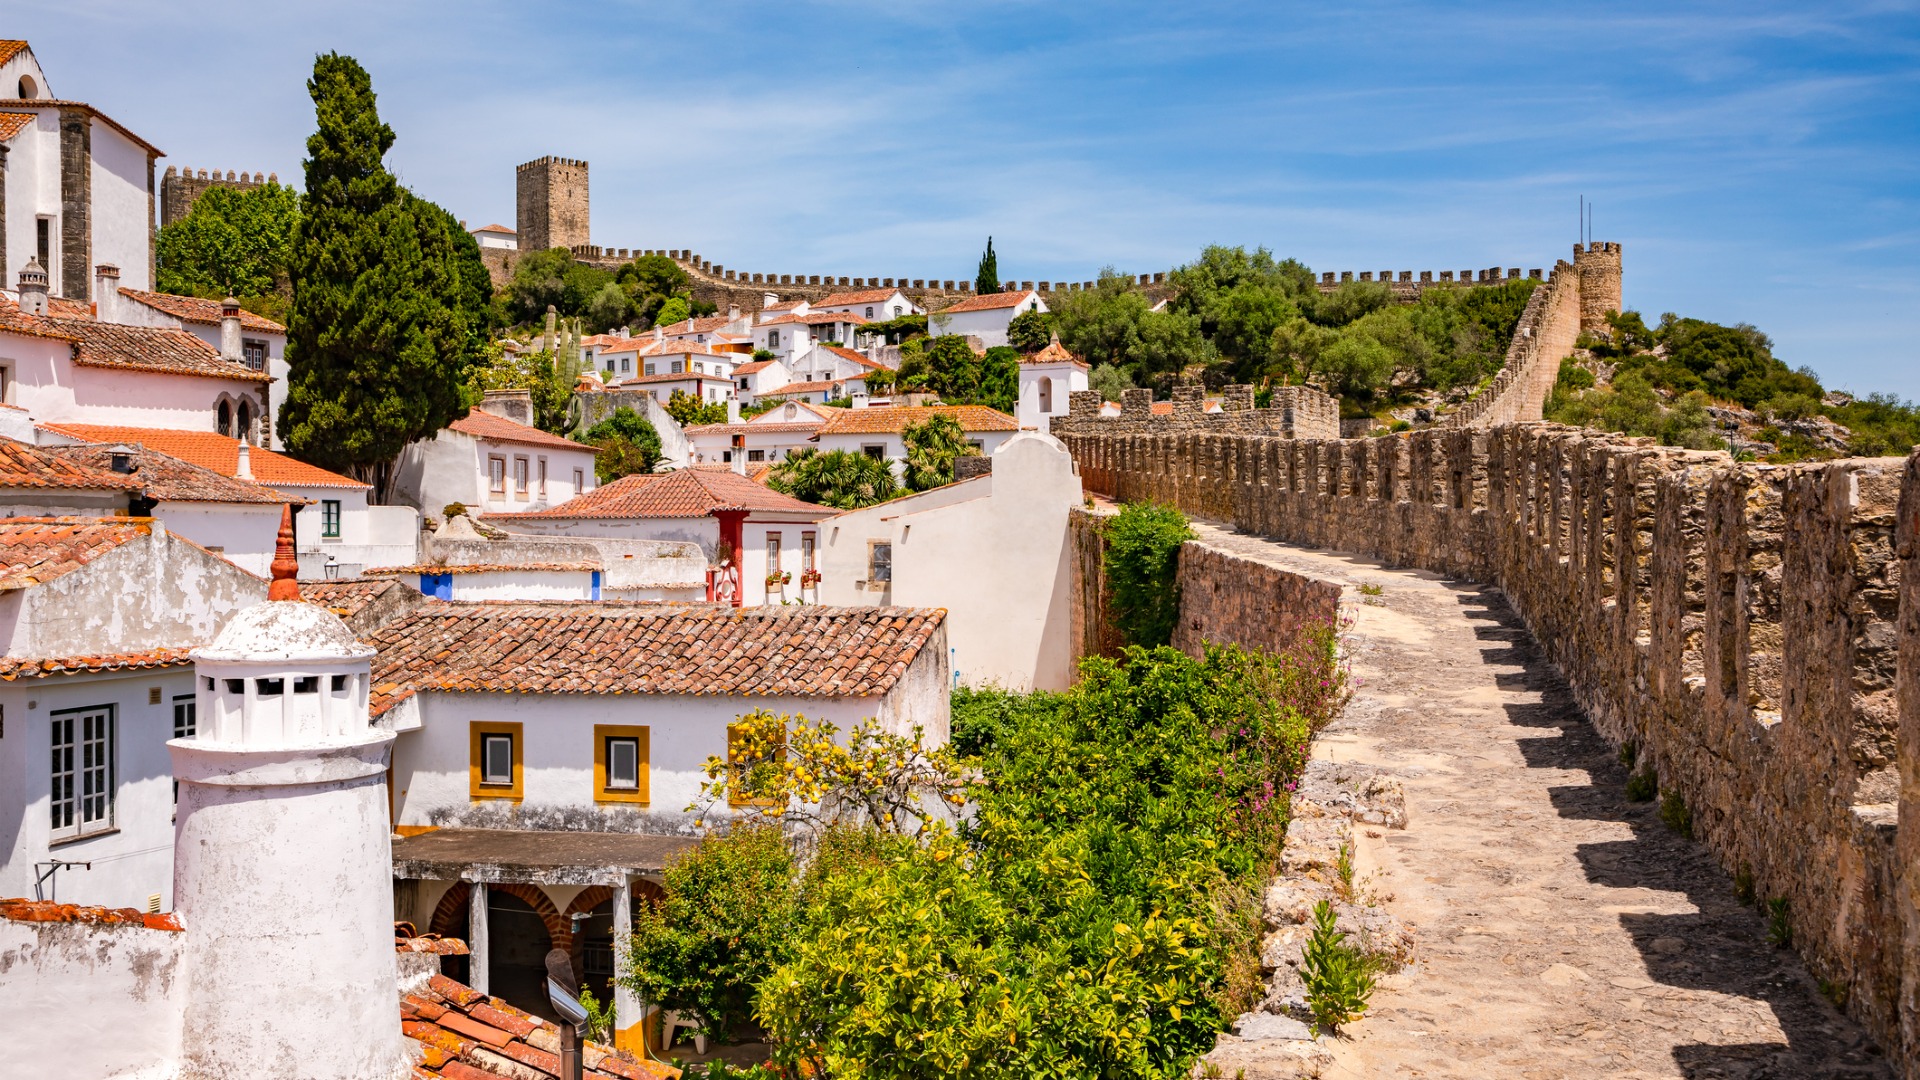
(243, 465)
(860, 399)
(33, 288)
(230, 331)
(106, 293)
(733, 410)
(274, 955)
(767, 300)
(659, 334)
(733, 313)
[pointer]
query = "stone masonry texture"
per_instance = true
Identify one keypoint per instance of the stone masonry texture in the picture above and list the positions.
(550, 204)
(181, 188)
(1750, 629)
(76, 204)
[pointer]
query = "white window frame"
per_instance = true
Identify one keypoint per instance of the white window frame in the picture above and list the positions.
(616, 745)
(82, 775)
(489, 740)
(520, 472)
(496, 474)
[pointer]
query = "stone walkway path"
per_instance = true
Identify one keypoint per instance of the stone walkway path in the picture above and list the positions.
(1562, 931)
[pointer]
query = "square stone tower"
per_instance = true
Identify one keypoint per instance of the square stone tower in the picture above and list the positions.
(550, 204)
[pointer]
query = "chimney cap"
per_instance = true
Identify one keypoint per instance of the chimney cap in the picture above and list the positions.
(229, 308)
(106, 270)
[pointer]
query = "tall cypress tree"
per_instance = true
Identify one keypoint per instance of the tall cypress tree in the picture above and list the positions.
(987, 278)
(387, 311)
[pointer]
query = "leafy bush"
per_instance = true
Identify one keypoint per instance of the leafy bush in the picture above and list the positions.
(1030, 331)
(1142, 561)
(1642, 787)
(1676, 816)
(842, 479)
(689, 411)
(1339, 977)
(932, 446)
(628, 444)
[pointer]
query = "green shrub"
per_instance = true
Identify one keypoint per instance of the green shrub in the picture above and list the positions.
(1743, 885)
(1779, 923)
(1642, 786)
(1339, 976)
(1674, 812)
(1142, 564)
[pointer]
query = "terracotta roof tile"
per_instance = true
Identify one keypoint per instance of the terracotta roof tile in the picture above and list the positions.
(496, 229)
(753, 368)
(547, 647)
(683, 493)
(506, 1044)
(197, 310)
(485, 425)
(845, 353)
(670, 347)
(821, 387)
(210, 450)
(159, 350)
(13, 123)
(864, 296)
(705, 324)
(481, 568)
(34, 551)
(20, 909)
(346, 597)
(10, 48)
(816, 318)
(672, 376)
(988, 301)
(170, 479)
(749, 428)
(895, 418)
(12, 668)
(24, 466)
(1054, 353)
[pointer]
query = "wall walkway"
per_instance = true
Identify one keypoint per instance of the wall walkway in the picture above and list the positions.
(1753, 630)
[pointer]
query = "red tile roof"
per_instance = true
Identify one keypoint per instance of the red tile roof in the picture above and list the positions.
(816, 318)
(465, 1035)
(54, 103)
(34, 551)
(10, 48)
(865, 296)
(13, 123)
(196, 310)
(595, 647)
(1054, 353)
(211, 450)
(20, 909)
(12, 668)
(345, 597)
(752, 368)
(683, 493)
(485, 425)
(159, 350)
(987, 301)
(821, 387)
(706, 324)
(672, 376)
(648, 347)
(24, 466)
(751, 428)
(887, 419)
(169, 479)
(860, 358)
(495, 229)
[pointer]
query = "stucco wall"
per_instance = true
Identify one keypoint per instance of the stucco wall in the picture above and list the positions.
(89, 1000)
(243, 532)
(122, 209)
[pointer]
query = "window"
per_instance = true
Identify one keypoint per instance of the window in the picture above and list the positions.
(543, 478)
(330, 519)
(254, 354)
(650, 369)
(874, 450)
(773, 339)
(620, 763)
(243, 424)
(756, 455)
(773, 550)
(806, 551)
(879, 562)
(579, 481)
(223, 419)
(495, 766)
(185, 725)
(497, 475)
(626, 366)
(609, 365)
(6, 383)
(869, 313)
(520, 477)
(896, 311)
(43, 245)
(82, 771)
(27, 89)
(678, 367)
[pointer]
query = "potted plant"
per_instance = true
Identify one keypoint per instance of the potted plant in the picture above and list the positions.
(778, 577)
(809, 579)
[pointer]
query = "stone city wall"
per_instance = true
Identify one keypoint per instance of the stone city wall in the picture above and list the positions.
(1753, 630)
(1293, 412)
(181, 188)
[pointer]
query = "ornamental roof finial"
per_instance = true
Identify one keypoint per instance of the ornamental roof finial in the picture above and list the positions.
(286, 566)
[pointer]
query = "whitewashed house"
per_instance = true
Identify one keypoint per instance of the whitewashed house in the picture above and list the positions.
(259, 343)
(96, 618)
(984, 316)
(767, 438)
(759, 377)
(1046, 379)
(496, 236)
(872, 305)
(67, 220)
(790, 336)
(334, 525)
(879, 431)
(493, 460)
(236, 519)
(991, 550)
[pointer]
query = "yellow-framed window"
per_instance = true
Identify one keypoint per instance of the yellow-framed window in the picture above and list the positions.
(496, 756)
(622, 763)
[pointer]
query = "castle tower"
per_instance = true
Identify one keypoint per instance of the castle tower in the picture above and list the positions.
(283, 873)
(1599, 267)
(550, 204)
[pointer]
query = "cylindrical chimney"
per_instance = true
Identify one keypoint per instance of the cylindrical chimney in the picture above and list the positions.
(230, 331)
(283, 871)
(33, 288)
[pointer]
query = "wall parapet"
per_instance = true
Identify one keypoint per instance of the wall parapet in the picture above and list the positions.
(1754, 630)
(1293, 412)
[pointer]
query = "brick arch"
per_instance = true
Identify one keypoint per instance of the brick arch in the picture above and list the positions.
(590, 897)
(447, 913)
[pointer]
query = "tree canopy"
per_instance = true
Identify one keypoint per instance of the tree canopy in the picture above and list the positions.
(234, 243)
(389, 296)
(628, 444)
(842, 479)
(932, 446)
(649, 290)
(986, 278)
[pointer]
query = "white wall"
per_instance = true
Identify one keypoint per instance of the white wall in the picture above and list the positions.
(244, 532)
(121, 214)
(33, 188)
(89, 1000)
(992, 551)
(518, 585)
(990, 326)
(130, 864)
(704, 531)
(1066, 378)
(755, 564)
(61, 391)
(430, 764)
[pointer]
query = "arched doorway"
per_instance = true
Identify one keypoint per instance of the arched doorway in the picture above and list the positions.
(517, 946)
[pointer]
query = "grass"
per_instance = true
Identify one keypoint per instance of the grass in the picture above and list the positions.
(1642, 787)
(1673, 811)
(1779, 923)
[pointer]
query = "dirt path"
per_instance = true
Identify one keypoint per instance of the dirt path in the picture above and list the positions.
(1563, 931)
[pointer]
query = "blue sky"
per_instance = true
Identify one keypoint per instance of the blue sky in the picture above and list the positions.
(1760, 162)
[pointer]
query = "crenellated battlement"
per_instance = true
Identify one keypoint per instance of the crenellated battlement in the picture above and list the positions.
(1753, 630)
(543, 162)
(181, 187)
(1294, 412)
